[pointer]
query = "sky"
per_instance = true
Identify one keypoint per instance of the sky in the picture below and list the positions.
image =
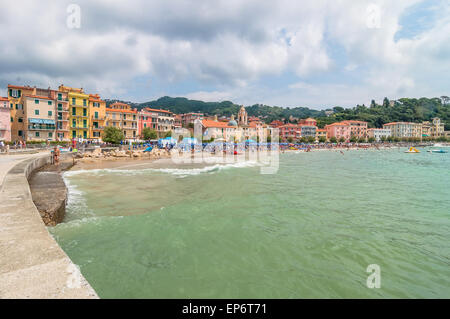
(316, 54)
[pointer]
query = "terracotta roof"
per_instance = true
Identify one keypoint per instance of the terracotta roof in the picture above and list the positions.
(38, 97)
(393, 123)
(321, 130)
(157, 110)
(209, 123)
(121, 110)
(3, 98)
(20, 87)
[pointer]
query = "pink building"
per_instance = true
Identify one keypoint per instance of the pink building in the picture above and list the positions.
(147, 118)
(347, 129)
(5, 120)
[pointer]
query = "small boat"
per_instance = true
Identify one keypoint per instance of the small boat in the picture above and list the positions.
(412, 150)
(437, 151)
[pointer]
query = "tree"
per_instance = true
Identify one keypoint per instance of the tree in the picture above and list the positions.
(372, 139)
(112, 135)
(311, 139)
(361, 140)
(290, 139)
(322, 139)
(342, 139)
(383, 138)
(333, 139)
(386, 102)
(353, 139)
(373, 104)
(168, 134)
(149, 134)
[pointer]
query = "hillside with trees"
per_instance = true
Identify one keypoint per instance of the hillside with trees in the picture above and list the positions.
(401, 110)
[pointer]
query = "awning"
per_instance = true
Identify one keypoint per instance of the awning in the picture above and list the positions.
(41, 121)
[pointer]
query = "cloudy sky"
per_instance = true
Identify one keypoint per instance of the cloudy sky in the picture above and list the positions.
(287, 53)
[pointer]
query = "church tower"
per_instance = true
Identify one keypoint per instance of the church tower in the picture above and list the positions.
(242, 117)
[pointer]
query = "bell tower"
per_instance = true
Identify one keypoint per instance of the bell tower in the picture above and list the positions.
(242, 116)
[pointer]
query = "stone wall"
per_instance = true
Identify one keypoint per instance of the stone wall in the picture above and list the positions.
(32, 265)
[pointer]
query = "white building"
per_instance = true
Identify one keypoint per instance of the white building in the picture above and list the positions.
(378, 133)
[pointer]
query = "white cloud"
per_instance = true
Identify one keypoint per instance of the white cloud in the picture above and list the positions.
(227, 46)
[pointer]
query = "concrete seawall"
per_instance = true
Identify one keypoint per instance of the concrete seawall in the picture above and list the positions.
(32, 265)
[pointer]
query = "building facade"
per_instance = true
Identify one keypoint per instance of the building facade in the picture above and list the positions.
(188, 119)
(347, 130)
(5, 120)
(97, 111)
(39, 118)
(125, 118)
(16, 102)
(404, 129)
(433, 129)
(378, 133)
(79, 112)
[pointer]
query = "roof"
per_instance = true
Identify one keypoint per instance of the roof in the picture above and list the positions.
(20, 87)
(38, 97)
(210, 123)
(121, 110)
(3, 98)
(156, 110)
(321, 130)
(394, 123)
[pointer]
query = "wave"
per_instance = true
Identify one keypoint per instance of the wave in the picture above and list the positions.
(172, 171)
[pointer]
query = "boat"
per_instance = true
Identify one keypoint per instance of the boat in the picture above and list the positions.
(412, 150)
(437, 151)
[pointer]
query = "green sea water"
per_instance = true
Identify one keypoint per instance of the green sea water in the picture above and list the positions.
(226, 231)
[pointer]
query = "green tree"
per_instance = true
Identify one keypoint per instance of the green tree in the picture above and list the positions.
(168, 134)
(383, 139)
(372, 139)
(112, 135)
(361, 140)
(341, 139)
(333, 139)
(322, 139)
(149, 134)
(311, 139)
(353, 139)
(290, 139)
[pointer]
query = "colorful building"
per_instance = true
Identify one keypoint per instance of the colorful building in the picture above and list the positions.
(189, 118)
(39, 118)
(97, 111)
(79, 112)
(309, 122)
(122, 116)
(433, 129)
(5, 120)
(347, 130)
(16, 103)
(62, 115)
(321, 133)
(404, 129)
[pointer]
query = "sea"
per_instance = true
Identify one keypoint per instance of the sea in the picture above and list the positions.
(328, 224)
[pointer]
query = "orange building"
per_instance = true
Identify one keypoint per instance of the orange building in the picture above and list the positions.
(122, 116)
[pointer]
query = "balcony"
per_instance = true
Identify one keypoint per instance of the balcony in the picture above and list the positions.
(98, 128)
(40, 128)
(99, 118)
(80, 116)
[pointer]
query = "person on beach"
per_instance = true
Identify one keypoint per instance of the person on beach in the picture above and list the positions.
(56, 154)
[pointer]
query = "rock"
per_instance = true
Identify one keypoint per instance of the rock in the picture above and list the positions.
(96, 151)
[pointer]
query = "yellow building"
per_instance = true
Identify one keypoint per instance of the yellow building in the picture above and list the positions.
(97, 111)
(79, 121)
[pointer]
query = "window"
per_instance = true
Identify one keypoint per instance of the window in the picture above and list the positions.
(17, 106)
(35, 102)
(14, 93)
(84, 112)
(84, 134)
(74, 111)
(50, 113)
(145, 124)
(11, 105)
(36, 112)
(74, 134)
(49, 102)
(20, 133)
(50, 134)
(84, 102)
(84, 123)
(36, 134)
(73, 101)
(60, 107)
(59, 96)
(20, 120)
(12, 119)
(96, 115)
(74, 123)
